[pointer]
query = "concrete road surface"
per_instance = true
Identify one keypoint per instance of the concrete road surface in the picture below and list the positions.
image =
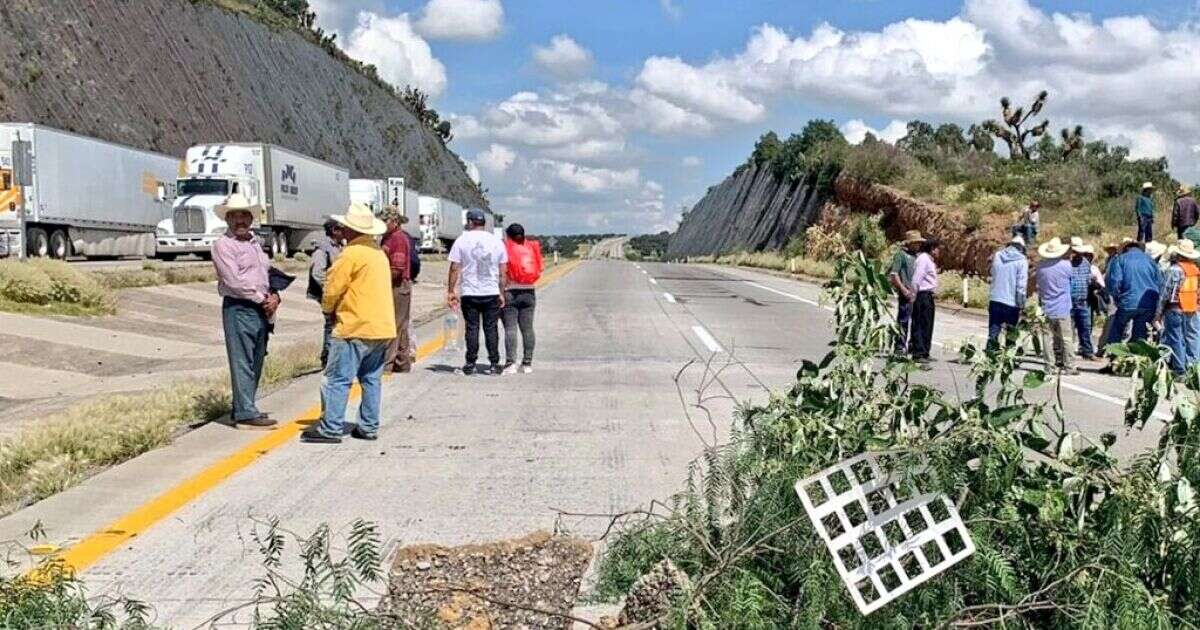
(613, 248)
(597, 428)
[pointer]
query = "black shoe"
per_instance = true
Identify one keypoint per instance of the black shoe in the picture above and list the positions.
(359, 435)
(496, 369)
(313, 436)
(261, 423)
(468, 369)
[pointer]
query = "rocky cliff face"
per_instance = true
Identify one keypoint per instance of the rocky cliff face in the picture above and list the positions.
(751, 210)
(166, 74)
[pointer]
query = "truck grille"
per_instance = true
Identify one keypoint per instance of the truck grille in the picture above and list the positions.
(189, 221)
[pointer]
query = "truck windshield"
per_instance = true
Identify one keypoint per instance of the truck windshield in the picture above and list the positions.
(203, 187)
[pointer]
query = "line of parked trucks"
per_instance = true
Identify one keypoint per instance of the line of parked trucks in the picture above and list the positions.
(64, 195)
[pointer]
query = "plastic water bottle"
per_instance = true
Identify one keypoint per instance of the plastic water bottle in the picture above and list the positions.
(450, 331)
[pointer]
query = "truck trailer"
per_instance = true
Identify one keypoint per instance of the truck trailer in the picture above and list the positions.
(86, 197)
(296, 192)
(380, 193)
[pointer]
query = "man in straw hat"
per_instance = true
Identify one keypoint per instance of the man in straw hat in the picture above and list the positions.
(358, 294)
(1143, 209)
(1177, 312)
(247, 306)
(1054, 294)
(398, 248)
(900, 275)
(1010, 285)
(1085, 281)
(1185, 212)
(1134, 285)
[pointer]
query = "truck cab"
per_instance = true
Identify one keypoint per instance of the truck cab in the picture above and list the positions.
(193, 226)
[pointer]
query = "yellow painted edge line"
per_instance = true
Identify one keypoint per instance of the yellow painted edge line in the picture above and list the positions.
(100, 543)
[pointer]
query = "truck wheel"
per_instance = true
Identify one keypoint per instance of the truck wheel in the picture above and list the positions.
(60, 245)
(37, 243)
(168, 257)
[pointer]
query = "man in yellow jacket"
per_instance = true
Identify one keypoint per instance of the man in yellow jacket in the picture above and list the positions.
(358, 295)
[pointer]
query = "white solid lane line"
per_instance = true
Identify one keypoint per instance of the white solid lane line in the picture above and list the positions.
(668, 297)
(707, 339)
(1106, 398)
(653, 281)
(783, 293)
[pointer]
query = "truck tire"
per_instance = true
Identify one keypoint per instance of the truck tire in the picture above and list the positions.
(60, 245)
(167, 257)
(37, 243)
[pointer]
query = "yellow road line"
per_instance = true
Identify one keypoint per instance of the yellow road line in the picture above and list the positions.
(102, 542)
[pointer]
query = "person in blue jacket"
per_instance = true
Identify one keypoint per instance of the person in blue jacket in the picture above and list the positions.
(1010, 284)
(1134, 285)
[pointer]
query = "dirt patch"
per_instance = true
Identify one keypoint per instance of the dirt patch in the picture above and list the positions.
(530, 582)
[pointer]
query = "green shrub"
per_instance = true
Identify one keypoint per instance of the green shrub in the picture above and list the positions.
(53, 283)
(868, 237)
(821, 244)
(74, 286)
(24, 283)
(990, 203)
(972, 219)
(795, 246)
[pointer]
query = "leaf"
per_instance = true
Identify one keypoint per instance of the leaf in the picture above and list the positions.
(1185, 496)
(1005, 415)
(1034, 379)
(1108, 438)
(1066, 446)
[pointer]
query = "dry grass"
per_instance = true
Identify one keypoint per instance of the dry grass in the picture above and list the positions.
(64, 449)
(154, 273)
(52, 287)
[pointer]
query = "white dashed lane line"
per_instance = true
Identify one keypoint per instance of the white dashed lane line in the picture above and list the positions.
(653, 281)
(707, 339)
(668, 297)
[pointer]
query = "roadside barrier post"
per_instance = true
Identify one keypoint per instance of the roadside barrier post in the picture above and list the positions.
(966, 288)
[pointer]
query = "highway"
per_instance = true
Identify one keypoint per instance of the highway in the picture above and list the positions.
(598, 428)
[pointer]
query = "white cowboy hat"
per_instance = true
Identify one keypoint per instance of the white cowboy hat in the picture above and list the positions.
(1018, 240)
(1147, 185)
(1186, 248)
(235, 203)
(1054, 248)
(361, 219)
(1078, 246)
(1155, 250)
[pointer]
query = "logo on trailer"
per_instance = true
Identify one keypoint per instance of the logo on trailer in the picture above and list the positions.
(289, 172)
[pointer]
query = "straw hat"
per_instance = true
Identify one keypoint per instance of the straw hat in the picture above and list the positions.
(1155, 249)
(1147, 186)
(1184, 190)
(236, 202)
(1185, 248)
(1079, 247)
(913, 236)
(360, 219)
(1054, 248)
(392, 213)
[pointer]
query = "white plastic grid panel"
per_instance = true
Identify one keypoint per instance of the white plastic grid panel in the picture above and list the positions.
(885, 536)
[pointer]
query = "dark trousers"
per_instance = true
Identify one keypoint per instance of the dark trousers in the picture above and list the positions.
(903, 322)
(246, 336)
(399, 357)
(518, 314)
(921, 340)
(1145, 228)
(1082, 317)
(483, 310)
(329, 321)
(1139, 317)
(1000, 316)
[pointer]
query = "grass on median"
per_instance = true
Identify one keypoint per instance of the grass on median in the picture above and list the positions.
(66, 448)
(52, 287)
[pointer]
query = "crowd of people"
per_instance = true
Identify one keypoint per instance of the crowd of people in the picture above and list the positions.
(362, 275)
(1144, 289)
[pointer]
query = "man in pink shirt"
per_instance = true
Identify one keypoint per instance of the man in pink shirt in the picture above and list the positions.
(925, 283)
(249, 305)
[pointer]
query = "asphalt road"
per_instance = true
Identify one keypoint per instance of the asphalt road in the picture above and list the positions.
(607, 422)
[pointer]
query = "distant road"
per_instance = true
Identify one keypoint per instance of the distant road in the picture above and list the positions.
(609, 248)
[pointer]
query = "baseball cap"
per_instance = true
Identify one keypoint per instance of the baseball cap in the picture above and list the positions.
(476, 215)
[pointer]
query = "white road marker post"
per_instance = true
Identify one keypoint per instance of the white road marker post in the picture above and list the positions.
(966, 288)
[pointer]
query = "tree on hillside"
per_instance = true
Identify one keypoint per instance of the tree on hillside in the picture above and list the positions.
(767, 149)
(1013, 127)
(817, 133)
(949, 138)
(919, 139)
(981, 139)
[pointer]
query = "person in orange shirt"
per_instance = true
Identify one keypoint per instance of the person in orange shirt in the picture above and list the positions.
(524, 268)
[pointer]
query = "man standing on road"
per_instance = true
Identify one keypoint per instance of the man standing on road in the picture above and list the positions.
(1054, 294)
(247, 306)
(1084, 279)
(1185, 213)
(1134, 285)
(1177, 306)
(524, 269)
(358, 295)
(323, 256)
(1143, 207)
(1010, 284)
(925, 283)
(900, 274)
(479, 261)
(399, 252)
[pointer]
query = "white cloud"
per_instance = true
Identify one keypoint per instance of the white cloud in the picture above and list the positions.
(856, 131)
(589, 180)
(473, 171)
(401, 56)
(710, 94)
(341, 16)
(563, 58)
(691, 161)
(473, 20)
(497, 159)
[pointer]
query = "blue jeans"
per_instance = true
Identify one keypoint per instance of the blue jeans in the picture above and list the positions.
(1082, 317)
(1000, 316)
(349, 359)
(1145, 228)
(246, 333)
(1139, 317)
(1178, 334)
(1191, 338)
(903, 323)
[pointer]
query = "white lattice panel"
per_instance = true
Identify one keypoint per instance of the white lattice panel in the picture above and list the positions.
(886, 536)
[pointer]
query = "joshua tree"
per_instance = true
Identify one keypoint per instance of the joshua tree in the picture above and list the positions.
(1072, 141)
(1012, 130)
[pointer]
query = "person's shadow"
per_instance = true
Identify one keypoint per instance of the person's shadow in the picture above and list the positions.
(442, 368)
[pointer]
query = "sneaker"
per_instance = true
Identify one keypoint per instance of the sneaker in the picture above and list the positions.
(261, 423)
(313, 436)
(527, 369)
(511, 368)
(358, 434)
(468, 369)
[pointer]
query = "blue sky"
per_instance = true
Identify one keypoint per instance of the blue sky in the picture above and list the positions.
(611, 115)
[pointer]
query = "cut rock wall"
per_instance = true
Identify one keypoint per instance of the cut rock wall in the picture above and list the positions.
(166, 74)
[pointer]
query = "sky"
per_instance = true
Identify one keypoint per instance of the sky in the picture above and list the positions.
(613, 115)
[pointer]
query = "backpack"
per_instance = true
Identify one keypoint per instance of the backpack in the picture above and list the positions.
(524, 261)
(414, 258)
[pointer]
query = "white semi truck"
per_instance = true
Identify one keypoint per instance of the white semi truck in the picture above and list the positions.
(85, 197)
(441, 222)
(296, 193)
(380, 193)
